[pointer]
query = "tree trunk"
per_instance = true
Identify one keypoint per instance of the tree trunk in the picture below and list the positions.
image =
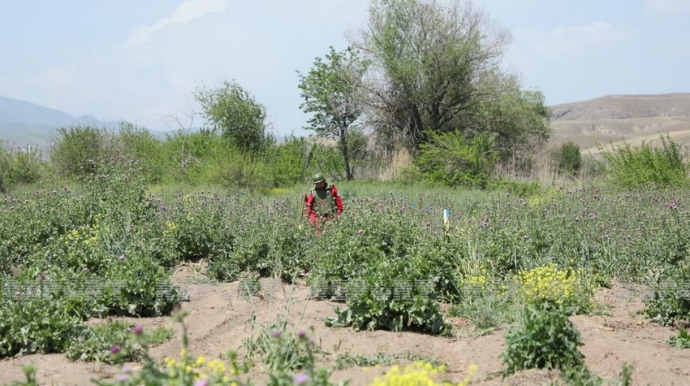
(346, 153)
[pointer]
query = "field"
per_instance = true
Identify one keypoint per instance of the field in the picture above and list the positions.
(96, 271)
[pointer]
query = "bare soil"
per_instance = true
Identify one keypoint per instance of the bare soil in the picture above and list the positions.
(220, 318)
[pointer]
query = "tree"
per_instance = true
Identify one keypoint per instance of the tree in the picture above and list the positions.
(568, 158)
(435, 68)
(330, 94)
(236, 114)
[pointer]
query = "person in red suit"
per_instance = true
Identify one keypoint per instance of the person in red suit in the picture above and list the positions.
(323, 202)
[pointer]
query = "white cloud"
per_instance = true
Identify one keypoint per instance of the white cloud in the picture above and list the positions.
(669, 6)
(185, 12)
(573, 41)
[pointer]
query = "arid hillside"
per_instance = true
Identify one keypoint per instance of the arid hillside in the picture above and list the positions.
(612, 119)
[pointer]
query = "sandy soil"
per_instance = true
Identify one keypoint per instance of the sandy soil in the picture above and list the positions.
(220, 319)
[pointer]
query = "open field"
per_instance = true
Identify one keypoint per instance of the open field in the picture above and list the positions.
(410, 287)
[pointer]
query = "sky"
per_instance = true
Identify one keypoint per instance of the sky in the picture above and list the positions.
(142, 60)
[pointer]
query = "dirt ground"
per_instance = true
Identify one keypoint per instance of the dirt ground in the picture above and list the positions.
(220, 318)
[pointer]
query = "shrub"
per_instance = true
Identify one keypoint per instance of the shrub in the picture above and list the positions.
(17, 167)
(451, 159)
(556, 287)
(77, 151)
(98, 343)
(544, 339)
(36, 325)
(663, 166)
(567, 158)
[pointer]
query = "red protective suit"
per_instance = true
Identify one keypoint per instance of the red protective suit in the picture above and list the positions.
(317, 209)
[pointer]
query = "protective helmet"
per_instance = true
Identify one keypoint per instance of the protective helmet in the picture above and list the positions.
(318, 177)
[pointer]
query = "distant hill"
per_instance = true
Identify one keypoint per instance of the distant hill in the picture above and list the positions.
(24, 123)
(614, 118)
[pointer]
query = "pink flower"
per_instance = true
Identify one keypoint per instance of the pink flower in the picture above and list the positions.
(139, 329)
(122, 378)
(277, 334)
(301, 378)
(201, 382)
(301, 334)
(115, 349)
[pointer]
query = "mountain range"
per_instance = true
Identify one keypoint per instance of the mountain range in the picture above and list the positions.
(606, 120)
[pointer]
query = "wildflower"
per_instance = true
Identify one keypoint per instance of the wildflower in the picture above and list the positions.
(43, 276)
(122, 378)
(139, 329)
(115, 349)
(277, 334)
(122, 257)
(301, 378)
(201, 382)
(126, 369)
(301, 334)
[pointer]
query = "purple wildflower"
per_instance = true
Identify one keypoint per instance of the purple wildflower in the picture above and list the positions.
(301, 378)
(122, 378)
(139, 329)
(115, 349)
(201, 382)
(301, 334)
(277, 334)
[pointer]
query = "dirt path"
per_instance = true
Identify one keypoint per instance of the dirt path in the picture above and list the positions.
(220, 319)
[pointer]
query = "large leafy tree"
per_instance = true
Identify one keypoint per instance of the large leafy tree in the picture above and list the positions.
(330, 95)
(435, 68)
(236, 114)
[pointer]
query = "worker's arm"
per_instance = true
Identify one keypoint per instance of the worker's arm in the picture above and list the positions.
(338, 200)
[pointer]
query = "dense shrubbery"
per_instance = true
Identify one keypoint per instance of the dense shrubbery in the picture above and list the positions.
(646, 165)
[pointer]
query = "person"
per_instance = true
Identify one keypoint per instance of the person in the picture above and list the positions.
(323, 202)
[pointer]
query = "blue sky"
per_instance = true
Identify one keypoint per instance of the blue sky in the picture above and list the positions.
(141, 60)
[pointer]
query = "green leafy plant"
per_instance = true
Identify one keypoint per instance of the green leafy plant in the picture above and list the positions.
(635, 166)
(544, 339)
(682, 340)
(567, 158)
(115, 342)
(452, 159)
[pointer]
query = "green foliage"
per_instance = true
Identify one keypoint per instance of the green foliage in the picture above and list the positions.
(19, 167)
(451, 159)
(77, 151)
(544, 339)
(282, 348)
(567, 158)
(330, 94)
(236, 114)
(96, 343)
(681, 341)
(670, 300)
(435, 68)
(644, 165)
(382, 359)
(36, 325)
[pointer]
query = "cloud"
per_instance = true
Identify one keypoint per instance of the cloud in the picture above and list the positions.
(573, 41)
(185, 12)
(669, 6)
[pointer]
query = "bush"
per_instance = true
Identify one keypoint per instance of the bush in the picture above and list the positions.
(451, 159)
(567, 158)
(77, 151)
(39, 325)
(645, 165)
(545, 339)
(17, 167)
